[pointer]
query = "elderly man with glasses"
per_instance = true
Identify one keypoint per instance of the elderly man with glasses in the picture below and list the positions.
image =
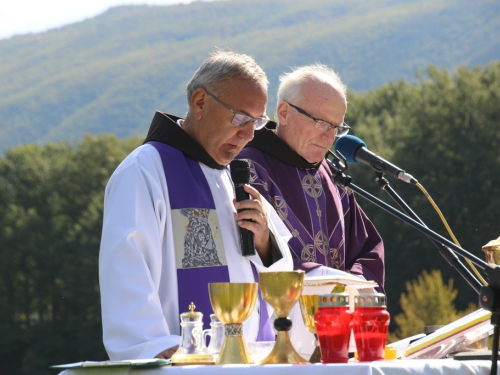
(170, 221)
(288, 168)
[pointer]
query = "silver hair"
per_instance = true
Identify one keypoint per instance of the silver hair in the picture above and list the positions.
(220, 66)
(292, 83)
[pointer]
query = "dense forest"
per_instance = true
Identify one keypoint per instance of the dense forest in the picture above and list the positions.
(111, 73)
(443, 128)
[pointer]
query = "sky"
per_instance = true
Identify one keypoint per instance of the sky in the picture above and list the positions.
(32, 16)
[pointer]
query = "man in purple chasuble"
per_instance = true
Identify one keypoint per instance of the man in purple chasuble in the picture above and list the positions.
(287, 167)
(170, 223)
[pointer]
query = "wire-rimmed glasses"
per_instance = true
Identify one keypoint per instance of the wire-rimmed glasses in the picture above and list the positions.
(323, 125)
(241, 119)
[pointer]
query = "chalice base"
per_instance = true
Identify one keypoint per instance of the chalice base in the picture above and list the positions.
(283, 351)
(234, 350)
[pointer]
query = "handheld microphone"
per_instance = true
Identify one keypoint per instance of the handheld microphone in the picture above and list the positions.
(240, 174)
(355, 150)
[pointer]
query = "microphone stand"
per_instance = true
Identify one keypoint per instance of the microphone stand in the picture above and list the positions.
(489, 296)
(445, 252)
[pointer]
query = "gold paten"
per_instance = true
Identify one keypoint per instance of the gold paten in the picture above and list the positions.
(492, 251)
(282, 290)
(233, 304)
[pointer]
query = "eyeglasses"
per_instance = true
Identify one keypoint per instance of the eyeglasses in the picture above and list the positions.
(241, 119)
(323, 125)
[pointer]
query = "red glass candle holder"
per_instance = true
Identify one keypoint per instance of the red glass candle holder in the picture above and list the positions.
(370, 325)
(333, 321)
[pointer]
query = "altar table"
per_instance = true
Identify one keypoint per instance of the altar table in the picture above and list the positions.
(395, 367)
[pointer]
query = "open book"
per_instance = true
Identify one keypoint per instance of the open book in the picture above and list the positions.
(447, 339)
(324, 284)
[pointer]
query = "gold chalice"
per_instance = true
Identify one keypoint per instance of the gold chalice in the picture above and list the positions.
(233, 303)
(309, 305)
(282, 290)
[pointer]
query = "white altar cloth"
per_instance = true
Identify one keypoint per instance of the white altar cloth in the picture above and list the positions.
(394, 367)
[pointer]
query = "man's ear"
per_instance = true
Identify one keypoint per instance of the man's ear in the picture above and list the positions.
(282, 113)
(198, 103)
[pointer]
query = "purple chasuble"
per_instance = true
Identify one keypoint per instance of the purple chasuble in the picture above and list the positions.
(201, 262)
(311, 215)
(328, 226)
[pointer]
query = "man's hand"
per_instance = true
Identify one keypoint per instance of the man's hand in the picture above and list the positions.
(166, 354)
(254, 211)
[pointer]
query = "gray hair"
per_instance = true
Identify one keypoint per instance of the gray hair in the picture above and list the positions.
(220, 66)
(291, 84)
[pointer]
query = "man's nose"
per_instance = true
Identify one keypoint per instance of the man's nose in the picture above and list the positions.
(330, 134)
(247, 132)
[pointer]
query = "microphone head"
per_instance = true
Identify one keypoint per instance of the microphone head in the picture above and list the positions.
(348, 145)
(240, 171)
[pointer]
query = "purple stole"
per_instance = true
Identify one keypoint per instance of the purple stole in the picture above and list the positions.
(200, 254)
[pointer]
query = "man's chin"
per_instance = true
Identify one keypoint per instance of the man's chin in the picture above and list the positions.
(315, 159)
(226, 158)
(316, 155)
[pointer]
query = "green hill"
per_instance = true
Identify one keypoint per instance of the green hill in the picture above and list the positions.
(110, 73)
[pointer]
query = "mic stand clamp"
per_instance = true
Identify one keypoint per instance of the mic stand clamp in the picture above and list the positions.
(338, 165)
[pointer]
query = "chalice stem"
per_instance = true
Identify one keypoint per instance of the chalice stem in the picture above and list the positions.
(283, 351)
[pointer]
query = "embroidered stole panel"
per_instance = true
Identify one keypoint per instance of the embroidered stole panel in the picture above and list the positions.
(199, 250)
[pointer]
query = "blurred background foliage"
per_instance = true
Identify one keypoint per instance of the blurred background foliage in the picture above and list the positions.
(50, 225)
(444, 129)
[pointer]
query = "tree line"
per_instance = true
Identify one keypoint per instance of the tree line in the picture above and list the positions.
(444, 129)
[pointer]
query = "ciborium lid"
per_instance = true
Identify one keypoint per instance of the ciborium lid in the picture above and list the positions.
(191, 315)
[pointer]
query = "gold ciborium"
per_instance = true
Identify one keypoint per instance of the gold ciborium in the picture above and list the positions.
(492, 251)
(233, 303)
(282, 290)
(309, 305)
